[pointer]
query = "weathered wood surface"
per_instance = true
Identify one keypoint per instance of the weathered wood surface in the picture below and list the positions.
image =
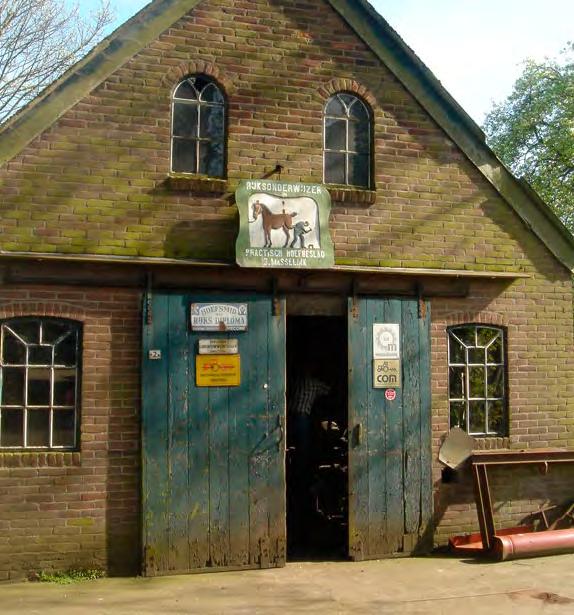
(390, 504)
(213, 479)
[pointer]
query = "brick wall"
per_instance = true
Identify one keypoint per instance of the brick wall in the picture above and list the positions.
(536, 314)
(96, 183)
(62, 510)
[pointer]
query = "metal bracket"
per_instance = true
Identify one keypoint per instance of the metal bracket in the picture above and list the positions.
(354, 299)
(276, 299)
(422, 302)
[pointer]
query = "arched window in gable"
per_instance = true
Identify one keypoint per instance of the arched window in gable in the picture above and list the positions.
(348, 141)
(198, 127)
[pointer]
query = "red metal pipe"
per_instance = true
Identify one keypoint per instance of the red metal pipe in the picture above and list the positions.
(550, 542)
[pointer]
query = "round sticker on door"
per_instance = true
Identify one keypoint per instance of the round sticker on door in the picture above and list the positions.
(390, 394)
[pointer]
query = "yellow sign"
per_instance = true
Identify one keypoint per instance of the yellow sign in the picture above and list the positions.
(387, 373)
(217, 370)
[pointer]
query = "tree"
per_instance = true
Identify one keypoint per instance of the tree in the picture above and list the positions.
(532, 131)
(39, 40)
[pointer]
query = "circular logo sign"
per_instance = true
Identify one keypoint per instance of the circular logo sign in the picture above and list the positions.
(390, 394)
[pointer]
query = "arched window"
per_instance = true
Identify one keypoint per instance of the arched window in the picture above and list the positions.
(347, 155)
(198, 128)
(39, 376)
(477, 379)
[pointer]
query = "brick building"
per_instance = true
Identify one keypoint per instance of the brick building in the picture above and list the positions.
(119, 213)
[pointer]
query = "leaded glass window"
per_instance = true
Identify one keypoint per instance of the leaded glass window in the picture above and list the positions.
(198, 128)
(39, 390)
(347, 147)
(477, 380)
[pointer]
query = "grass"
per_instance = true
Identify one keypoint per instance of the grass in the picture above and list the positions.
(68, 577)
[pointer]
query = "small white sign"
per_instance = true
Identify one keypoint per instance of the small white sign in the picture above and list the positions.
(219, 346)
(386, 341)
(219, 316)
(390, 394)
(154, 355)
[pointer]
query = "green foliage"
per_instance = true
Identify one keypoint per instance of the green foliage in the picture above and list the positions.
(532, 131)
(71, 576)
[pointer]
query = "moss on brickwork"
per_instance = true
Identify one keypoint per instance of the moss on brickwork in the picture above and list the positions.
(108, 176)
(81, 522)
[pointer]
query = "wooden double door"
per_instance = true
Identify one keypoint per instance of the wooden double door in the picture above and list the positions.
(213, 484)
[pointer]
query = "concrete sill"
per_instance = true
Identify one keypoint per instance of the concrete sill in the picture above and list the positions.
(195, 183)
(48, 459)
(352, 196)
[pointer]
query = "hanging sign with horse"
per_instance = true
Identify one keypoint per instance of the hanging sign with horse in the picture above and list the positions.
(284, 225)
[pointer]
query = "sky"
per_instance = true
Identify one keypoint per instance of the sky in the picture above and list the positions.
(475, 47)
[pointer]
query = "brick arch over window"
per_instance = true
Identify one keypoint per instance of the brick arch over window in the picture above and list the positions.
(325, 91)
(483, 318)
(21, 309)
(198, 67)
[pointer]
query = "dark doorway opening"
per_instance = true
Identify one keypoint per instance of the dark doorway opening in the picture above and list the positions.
(317, 456)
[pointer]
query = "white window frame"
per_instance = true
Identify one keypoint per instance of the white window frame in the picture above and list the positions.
(467, 366)
(75, 329)
(348, 151)
(197, 138)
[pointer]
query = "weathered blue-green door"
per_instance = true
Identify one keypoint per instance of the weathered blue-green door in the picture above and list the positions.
(213, 458)
(390, 503)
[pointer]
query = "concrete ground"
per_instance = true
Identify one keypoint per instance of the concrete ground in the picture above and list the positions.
(434, 585)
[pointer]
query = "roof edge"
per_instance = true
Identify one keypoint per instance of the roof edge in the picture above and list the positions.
(193, 262)
(429, 92)
(106, 57)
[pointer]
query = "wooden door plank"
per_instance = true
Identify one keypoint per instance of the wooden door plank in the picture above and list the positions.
(155, 497)
(218, 476)
(426, 529)
(277, 417)
(393, 412)
(411, 418)
(376, 312)
(239, 412)
(257, 426)
(177, 360)
(358, 425)
(198, 436)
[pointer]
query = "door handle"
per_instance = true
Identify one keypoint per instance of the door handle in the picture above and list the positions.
(358, 434)
(281, 429)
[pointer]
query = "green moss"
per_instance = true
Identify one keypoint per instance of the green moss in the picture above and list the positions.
(68, 577)
(81, 522)
(357, 262)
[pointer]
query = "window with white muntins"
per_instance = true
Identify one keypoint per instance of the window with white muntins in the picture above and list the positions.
(39, 376)
(477, 379)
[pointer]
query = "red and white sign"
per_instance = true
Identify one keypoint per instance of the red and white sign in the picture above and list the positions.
(390, 394)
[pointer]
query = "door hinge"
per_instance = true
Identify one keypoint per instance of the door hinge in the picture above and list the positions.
(264, 552)
(422, 302)
(355, 308)
(149, 300)
(276, 298)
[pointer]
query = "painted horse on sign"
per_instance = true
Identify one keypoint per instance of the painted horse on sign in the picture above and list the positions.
(272, 221)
